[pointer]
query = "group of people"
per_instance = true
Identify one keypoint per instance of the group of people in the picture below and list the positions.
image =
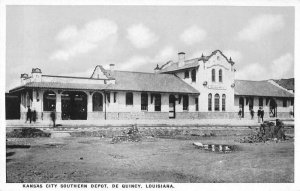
(260, 114)
(31, 115)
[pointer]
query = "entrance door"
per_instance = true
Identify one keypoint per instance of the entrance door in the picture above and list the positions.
(172, 105)
(241, 104)
(74, 105)
(273, 108)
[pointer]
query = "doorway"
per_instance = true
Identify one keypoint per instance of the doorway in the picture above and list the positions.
(241, 105)
(74, 105)
(172, 105)
(273, 108)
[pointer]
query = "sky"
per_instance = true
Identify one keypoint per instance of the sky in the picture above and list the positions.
(72, 40)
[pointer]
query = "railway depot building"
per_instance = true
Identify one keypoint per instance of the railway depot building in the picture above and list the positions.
(199, 88)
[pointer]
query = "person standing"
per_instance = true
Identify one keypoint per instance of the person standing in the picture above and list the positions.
(258, 115)
(53, 117)
(34, 115)
(251, 113)
(240, 114)
(28, 115)
(262, 112)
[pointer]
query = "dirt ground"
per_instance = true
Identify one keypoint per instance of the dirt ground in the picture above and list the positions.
(94, 159)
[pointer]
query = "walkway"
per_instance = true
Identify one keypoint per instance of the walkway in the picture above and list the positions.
(145, 123)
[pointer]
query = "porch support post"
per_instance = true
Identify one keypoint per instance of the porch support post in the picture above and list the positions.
(90, 102)
(58, 105)
(89, 105)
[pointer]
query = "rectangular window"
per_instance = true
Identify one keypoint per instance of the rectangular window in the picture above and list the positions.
(292, 101)
(261, 102)
(129, 98)
(197, 104)
(144, 102)
(185, 102)
(115, 97)
(186, 74)
(284, 102)
(193, 74)
(250, 103)
(157, 102)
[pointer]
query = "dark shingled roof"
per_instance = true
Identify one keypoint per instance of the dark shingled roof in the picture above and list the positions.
(151, 82)
(58, 85)
(125, 81)
(286, 83)
(174, 67)
(259, 88)
(192, 63)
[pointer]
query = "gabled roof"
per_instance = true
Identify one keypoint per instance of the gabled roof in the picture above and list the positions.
(125, 81)
(286, 83)
(149, 82)
(192, 63)
(259, 88)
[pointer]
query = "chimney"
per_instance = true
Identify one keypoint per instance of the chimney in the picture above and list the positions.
(112, 67)
(181, 59)
(156, 69)
(24, 78)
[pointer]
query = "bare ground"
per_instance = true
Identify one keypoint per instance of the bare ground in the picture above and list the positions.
(94, 159)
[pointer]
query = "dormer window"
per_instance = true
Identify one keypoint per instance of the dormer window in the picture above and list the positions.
(220, 76)
(193, 74)
(186, 74)
(213, 75)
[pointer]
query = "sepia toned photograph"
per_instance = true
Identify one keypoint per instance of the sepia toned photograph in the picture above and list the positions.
(155, 94)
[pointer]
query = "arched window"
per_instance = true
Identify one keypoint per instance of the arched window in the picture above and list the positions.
(209, 102)
(223, 102)
(129, 98)
(97, 102)
(49, 100)
(213, 75)
(193, 73)
(217, 102)
(220, 76)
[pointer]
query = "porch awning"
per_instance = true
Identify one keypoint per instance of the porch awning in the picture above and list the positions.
(58, 85)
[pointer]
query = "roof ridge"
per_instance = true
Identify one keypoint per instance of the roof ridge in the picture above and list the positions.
(251, 80)
(204, 58)
(135, 72)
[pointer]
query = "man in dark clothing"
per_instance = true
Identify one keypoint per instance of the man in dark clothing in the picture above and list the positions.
(34, 116)
(53, 117)
(258, 115)
(252, 113)
(262, 114)
(28, 115)
(240, 113)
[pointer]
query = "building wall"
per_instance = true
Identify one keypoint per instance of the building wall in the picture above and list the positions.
(282, 112)
(111, 110)
(203, 74)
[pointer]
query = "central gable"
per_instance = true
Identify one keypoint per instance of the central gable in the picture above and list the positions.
(217, 58)
(99, 73)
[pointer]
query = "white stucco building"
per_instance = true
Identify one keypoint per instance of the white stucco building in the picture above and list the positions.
(203, 87)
